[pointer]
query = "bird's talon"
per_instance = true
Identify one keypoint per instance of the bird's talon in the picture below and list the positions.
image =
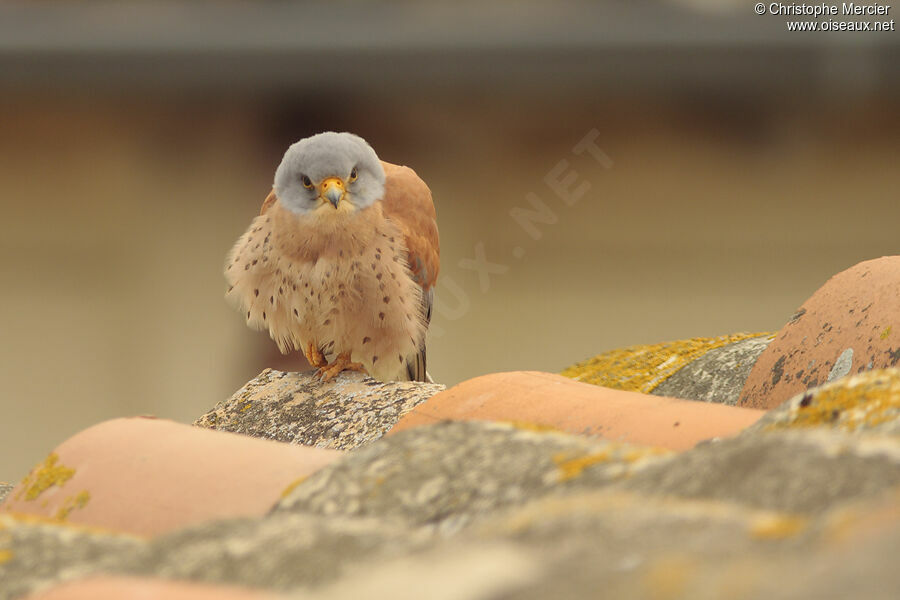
(340, 364)
(314, 356)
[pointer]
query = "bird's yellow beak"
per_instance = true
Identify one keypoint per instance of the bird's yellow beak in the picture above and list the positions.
(332, 189)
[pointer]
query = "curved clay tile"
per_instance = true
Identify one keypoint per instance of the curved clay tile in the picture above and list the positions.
(543, 399)
(850, 325)
(149, 476)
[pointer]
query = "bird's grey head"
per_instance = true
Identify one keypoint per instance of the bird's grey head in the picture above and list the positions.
(328, 173)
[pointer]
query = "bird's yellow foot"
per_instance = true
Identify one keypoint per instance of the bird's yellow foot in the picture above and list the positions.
(314, 356)
(340, 364)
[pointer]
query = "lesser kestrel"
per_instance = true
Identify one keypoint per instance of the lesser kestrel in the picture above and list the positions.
(342, 260)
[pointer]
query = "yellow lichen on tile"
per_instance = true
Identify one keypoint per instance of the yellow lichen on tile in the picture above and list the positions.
(778, 526)
(292, 486)
(669, 577)
(535, 427)
(571, 467)
(43, 477)
(17, 518)
(886, 333)
(865, 400)
(79, 500)
(5, 555)
(642, 452)
(643, 368)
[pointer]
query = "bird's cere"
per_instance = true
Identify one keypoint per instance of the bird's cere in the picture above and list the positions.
(333, 190)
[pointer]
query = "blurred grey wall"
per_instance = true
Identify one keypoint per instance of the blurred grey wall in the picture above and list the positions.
(732, 169)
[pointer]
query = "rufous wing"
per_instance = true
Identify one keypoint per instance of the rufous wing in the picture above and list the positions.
(268, 202)
(408, 204)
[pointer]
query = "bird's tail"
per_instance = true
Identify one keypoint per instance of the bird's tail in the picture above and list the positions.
(415, 367)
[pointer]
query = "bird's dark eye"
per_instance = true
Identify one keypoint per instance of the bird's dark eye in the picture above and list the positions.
(353, 175)
(307, 182)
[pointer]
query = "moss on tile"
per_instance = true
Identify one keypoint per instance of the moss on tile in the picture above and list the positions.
(643, 368)
(862, 401)
(44, 476)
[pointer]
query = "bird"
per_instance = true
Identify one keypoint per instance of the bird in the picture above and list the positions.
(342, 261)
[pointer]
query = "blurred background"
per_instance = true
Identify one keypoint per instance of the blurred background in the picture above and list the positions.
(733, 168)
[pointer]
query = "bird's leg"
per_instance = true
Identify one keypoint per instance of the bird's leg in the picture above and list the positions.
(341, 363)
(314, 355)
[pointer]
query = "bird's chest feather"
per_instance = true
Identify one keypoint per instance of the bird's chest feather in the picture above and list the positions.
(345, 286)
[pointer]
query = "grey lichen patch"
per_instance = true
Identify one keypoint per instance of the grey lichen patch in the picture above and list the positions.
(39, 553)
(795, 471)
(631, 546)
(719, 375)
(280, 551)
(573, 513)
(841, 366)
(342, 414)
(778, 370)
(471, 570)
(570, 546)
(5, 489)
(796, 316)
(447, 475)
(865, 402)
